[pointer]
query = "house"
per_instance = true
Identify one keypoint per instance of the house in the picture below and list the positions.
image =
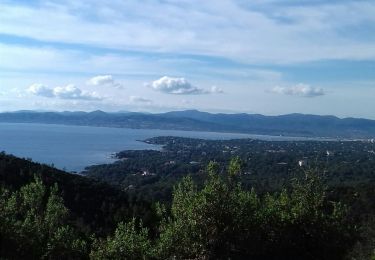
(302, 163)
(147, 173)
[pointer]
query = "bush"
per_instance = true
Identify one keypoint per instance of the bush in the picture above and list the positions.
(129, 242)
(224, 221)
(33, 225)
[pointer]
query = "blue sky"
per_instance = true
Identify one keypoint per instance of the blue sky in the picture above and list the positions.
(261, 56)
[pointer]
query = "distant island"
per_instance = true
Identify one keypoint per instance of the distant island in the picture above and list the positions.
(193, 120)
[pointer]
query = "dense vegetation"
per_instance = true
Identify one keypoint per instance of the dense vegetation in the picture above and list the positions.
(94, 206)
(34, 225)
(221, 220)
(267, 165)
(196, 199)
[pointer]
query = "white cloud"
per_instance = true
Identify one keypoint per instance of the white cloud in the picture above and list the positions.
(301, 90)
(104, 80)
(101, 80)
(39, 59)
(72, 92)
(137, 99)
(66, 92)
(40, 90)
(216, 90)
(255, 31)
(179, 86)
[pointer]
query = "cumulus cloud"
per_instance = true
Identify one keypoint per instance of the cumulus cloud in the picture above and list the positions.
(40, 90)
(179, 86)
(104, 80)
(137, 99)
(66, 92)
(301, 90)
(101, 80)
(72, 92)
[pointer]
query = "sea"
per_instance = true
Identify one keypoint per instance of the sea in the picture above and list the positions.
(72, 148)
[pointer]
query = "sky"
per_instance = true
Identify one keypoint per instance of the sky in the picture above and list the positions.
(269, 57)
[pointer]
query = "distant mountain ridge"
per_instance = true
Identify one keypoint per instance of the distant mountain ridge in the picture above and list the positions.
(194, 120)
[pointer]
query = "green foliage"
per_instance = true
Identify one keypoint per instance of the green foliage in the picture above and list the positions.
(213, 168)
(224, 221)
(217, 220)
(93, 206)
(64, 244)
(235, 167)
(130, 241)
(268, 165)
(33, 222)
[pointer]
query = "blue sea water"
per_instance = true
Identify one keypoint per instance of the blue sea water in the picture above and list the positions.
(74, 147)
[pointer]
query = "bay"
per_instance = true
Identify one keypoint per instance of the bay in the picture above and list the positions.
(72, 148)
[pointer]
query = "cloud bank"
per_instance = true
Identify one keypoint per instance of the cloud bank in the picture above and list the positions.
(66, 92)
(300, 90)
(255, 31)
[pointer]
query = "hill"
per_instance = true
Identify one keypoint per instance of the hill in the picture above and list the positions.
(193, 120)
(219, 220)
(94, 206)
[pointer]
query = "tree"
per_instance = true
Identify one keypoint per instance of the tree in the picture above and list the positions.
(224, 221)
(130, 241)
(33, 222)
(221, 220)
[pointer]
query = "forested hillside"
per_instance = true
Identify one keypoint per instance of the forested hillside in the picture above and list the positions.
(267, 165)
(94, 206)
(49, 214)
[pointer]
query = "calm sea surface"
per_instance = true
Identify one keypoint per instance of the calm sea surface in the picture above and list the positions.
(75, 147)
